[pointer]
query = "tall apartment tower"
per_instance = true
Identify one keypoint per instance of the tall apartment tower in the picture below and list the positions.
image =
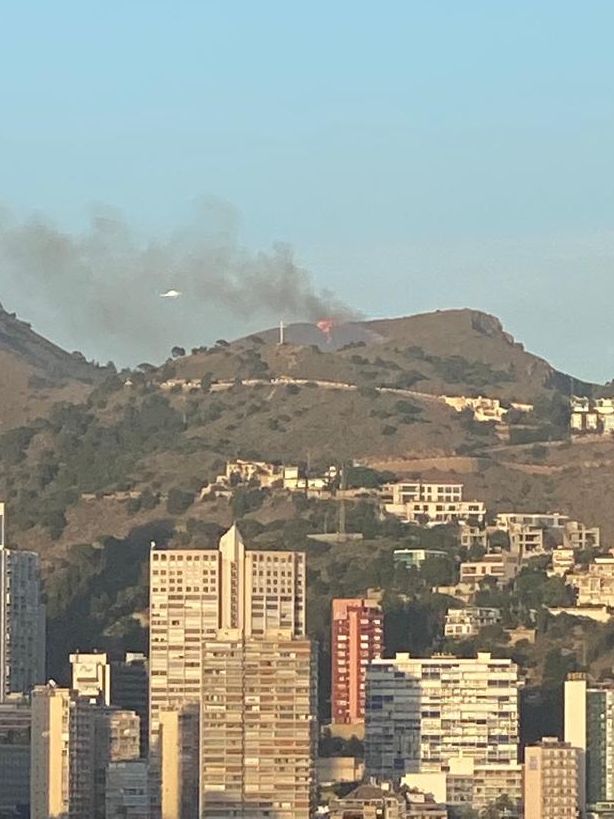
(22, 620)
(589, 727)
(551, 780)
(73, 740)
(357, 639)
(232, 682)
(130, 690)
(121, 683)
(49, 761)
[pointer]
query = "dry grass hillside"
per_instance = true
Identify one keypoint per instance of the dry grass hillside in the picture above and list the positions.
(36, 373)
(452, 352)
(74, 433)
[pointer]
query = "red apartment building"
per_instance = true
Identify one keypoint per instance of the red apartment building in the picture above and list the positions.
(357, 638)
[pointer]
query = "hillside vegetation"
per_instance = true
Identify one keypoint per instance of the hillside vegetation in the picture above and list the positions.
(98, 464)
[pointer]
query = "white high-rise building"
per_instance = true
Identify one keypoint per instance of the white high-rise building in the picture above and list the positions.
(423, 714)
(232, 683)
(22, 620)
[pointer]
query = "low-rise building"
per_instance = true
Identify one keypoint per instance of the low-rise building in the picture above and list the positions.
(578, 536)
(419, 490)
(484, 409)
(526, 541)
(471, 536)
(334, 769)
(466, 783)
(563, 560)
(439, 512)
(370, 801)
(502, 567)
(594, 416)
(468, 622)
(294, 480)
(594, 583)
(463, 592)
(537, 520)
(414, 558)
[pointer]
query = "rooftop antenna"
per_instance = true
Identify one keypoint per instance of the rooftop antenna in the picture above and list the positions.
(282, 327)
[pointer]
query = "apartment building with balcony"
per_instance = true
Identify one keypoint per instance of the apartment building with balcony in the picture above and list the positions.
(423, 713)
(551, 780)
(232, 678)
(357, 638)
(501, 567)
(433, 513)
(22, 619)
(469, 621)
(594, 583)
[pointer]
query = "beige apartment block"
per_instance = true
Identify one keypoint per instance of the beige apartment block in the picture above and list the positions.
(551, 780)
(73, 741)
(228, 648)
(258, 732)
(426, 491)
(179, 755)
(50, 773)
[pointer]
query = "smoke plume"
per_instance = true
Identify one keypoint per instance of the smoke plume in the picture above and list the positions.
(99, 290)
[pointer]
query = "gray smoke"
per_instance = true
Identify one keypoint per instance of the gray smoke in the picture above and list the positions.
(99, 290)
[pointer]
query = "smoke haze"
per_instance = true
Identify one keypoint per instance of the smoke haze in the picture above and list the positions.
(99, 291)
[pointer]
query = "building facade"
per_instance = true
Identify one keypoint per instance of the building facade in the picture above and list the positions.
(130, 690)
(22, 621)
(595, 583)
(468, 622)
(551, 780)
(357, 639)
(589, 727)
(73, 741)
(50, 763)
(127, 790)
(423, 713)
(414, 558)
(228, 652)
(15, 722)
(425, 491)
(91, 676)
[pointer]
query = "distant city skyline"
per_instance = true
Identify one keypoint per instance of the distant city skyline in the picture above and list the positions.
(415, 156)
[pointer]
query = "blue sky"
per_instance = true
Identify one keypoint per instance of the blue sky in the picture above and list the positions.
(416, 155)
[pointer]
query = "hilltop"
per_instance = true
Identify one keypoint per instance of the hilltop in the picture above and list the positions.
(371, 393)
(102, 463)
(447, 352)
(35, 373)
